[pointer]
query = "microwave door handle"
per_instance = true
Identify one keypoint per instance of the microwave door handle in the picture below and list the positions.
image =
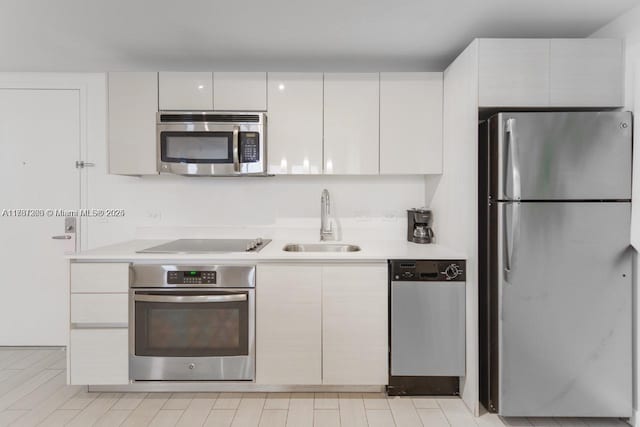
(236, 154)
(190, 298)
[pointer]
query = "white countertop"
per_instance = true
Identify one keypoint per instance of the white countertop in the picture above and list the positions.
(371, 251)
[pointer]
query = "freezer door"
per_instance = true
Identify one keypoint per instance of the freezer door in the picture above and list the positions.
(561, 156)
(564, 285)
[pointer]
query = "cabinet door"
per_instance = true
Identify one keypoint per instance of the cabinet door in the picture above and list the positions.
(513, 72)
(240, 91)
(185, 91)
(133, 104)
(295, 123)
(99, 356)
(354, 324)
(586, 73)
(288, 326)
(407, 99)
(351, 123)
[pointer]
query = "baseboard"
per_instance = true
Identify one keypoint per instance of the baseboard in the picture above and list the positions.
(229, 386)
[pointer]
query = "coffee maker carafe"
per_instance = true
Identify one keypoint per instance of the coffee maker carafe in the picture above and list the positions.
(419, 226)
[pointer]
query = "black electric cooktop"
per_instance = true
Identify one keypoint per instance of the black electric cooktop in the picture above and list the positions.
(207, 246)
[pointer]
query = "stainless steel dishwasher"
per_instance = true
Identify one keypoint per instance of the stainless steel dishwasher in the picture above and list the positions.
(427, 327)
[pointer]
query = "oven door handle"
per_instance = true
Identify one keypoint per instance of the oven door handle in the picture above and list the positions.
(190, 298)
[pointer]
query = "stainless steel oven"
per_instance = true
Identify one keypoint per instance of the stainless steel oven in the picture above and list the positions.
(211, 143)
(192, 323)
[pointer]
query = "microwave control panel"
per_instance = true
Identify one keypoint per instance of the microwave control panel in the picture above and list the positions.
(249, 147)
(191, 277)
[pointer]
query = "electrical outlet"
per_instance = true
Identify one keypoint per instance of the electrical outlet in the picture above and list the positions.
(155, 215)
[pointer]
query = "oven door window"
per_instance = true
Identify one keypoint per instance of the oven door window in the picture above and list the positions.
(166, 327)
(196, 147)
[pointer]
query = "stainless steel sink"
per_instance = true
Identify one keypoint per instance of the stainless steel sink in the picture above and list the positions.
(320, 247)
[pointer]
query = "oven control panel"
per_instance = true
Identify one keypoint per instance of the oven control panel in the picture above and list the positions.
(191, 277)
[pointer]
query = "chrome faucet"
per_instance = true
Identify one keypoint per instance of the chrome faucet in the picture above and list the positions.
(327, 231)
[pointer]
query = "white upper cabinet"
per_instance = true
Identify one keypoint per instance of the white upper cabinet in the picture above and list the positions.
(513, 72)
(351, 123)
(295, 123)
(239, 91)
(410, 101)
(133, 104)
(586, 72)
(550, 73)
(185, 91)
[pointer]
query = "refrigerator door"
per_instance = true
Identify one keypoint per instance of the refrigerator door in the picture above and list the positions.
(564, 286)
(561, 156)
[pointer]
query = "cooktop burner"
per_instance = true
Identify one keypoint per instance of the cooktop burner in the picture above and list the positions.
(207, 246)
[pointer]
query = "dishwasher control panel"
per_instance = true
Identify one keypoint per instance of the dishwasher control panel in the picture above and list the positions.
(428, 270)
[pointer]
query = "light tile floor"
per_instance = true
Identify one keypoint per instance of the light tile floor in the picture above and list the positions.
(33, 392)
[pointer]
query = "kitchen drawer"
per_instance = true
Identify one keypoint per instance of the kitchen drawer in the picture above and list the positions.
(99, 356)
(99, 277)
(99, 308)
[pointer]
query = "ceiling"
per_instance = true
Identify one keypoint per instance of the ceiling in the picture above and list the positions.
(287, 35)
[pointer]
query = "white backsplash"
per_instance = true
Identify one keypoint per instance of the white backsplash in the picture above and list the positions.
(292, 229)
(367, 207)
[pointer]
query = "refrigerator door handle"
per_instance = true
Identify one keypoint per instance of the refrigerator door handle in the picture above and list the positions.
(515, 237)
(510, 130)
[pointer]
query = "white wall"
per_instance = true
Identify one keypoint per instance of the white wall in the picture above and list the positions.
(170, 201)
(627, 27)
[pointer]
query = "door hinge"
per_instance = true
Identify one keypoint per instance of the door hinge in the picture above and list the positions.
(82, 164)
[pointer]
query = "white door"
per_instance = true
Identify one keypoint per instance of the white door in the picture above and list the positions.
(39, 144)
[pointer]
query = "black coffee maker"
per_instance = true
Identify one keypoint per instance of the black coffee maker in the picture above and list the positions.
(419, 226)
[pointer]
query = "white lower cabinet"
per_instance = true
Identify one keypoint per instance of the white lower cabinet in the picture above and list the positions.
(288, 324)
(98, 350)
(354, 324)
(321, 324)
(99, 356)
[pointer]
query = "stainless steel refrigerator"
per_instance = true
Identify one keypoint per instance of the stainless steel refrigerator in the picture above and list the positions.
(555, 264)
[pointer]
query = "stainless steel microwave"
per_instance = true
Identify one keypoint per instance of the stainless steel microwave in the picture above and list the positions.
(212, 143)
